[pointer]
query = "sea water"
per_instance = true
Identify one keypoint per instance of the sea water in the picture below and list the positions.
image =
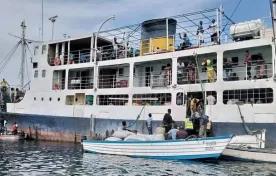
(53, 158)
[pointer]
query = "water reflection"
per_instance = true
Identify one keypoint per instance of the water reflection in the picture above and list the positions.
(51, 158)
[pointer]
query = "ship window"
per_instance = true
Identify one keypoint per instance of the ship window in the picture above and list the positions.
(44, 48)
(121, 71)
(89, 99)
(58, 99)
(152, 99)
(69, 100)
(43, 73)
(180, 99)
(248, 96)
(35, 65)
(115, 100)
(36, 73)
(35, 50)
(34, 98)
(50, 99)
(42, 99)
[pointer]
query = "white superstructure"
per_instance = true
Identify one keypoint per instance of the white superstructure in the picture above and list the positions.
(70, 77)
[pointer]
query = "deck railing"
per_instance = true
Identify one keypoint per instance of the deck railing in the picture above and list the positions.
(113, 81)
(84, 82)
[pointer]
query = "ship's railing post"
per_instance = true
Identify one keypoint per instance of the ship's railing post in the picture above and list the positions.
(79, 56)
(246, 71)
(167, 32)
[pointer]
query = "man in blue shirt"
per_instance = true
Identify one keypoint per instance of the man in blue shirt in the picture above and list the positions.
(149, 123)
(203, 125)
(173, 132)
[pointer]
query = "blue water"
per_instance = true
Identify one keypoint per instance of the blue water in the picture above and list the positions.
(52, 158)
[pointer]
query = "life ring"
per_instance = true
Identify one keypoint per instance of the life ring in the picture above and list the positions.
(56, 86)
(57, 61)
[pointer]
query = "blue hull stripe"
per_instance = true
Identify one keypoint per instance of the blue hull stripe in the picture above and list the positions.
(179, 157)
(163, 141)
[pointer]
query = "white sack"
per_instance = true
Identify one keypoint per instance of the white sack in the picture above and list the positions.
(113, 139)
(135, 137)
(156, 137)
(121, 134)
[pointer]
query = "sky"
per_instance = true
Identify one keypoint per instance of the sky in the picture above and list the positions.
(83, 17)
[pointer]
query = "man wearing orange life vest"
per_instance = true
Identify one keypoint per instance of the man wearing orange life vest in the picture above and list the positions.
(210, 70)
(14, 128)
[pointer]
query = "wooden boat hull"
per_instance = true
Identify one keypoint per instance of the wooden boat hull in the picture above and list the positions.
(167, 149)
(247, 154)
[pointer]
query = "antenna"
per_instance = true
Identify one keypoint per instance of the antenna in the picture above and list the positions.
(53, 20)
(42, 20)
(23, 26)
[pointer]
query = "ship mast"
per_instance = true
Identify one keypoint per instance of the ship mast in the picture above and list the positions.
(23, 43)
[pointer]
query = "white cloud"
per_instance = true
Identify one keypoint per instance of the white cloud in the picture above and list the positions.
(80, 17)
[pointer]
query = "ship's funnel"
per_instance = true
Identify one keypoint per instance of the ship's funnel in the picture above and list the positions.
(154, 34)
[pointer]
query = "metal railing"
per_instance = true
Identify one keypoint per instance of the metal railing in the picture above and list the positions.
(84, 82)
(193, 76)
(151, 79)
(113, 81)
(73, 57)
(245, 72)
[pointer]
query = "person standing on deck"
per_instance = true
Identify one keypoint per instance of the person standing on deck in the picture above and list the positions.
(167, 121)
(210, 99)
(193, 106)
(168, 74)
(2, 123)
(213, 27)
(210, 70)
(149, 123)
(248, 62)
(14, 128)
(4, 85)
(199, 33)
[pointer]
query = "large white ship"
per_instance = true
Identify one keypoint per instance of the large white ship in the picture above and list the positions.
(88, 85)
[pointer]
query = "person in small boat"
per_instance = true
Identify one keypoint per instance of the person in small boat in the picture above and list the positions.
(189, 126)
(149, 123)
(14, 128)
(167, 121)
(204, 120)
(172, 133)
(181, 133)
(124, 127)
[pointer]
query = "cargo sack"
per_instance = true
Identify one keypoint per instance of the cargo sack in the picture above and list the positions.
(121, 134)
(113, 139)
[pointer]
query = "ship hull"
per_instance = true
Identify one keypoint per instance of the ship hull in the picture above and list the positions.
(61, 128)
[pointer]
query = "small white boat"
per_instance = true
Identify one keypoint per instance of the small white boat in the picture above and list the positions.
(200, 148)
(9, 137)
(249, 148)
(250, 154)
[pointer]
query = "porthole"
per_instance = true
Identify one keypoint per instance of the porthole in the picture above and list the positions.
(58, 99)
(34, 98)
(50, 99)
(42, 99)
(76, 99)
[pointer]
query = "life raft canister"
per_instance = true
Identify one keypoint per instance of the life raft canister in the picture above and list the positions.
(57, 61)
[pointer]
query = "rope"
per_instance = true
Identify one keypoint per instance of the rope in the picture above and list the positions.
(247, 130)
(201, 84)
(8, 57)
(232, 14)
(138, 117)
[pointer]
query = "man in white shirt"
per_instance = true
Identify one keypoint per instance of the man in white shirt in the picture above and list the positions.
(213, 30)
(210, 99)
